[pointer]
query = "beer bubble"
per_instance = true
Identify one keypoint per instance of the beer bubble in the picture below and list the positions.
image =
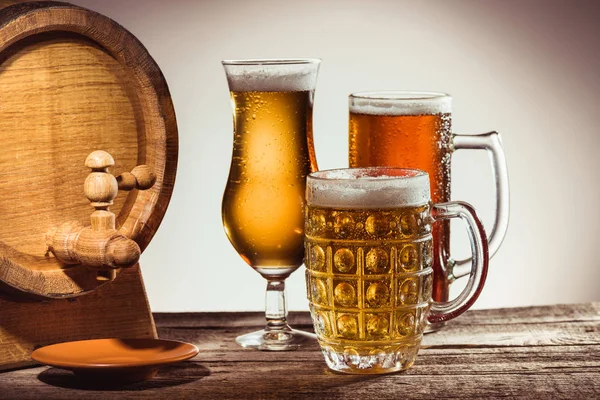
(344, 260)
(377, 326)
(347, 326)
(317, 258)
(408, 223)
(344, 294)
(377, 260)
(378, 294)
(408, 293)
(405, 324)
(409, 258)
(377, 225)
(344, 224)
(318, 222)
(319, 290)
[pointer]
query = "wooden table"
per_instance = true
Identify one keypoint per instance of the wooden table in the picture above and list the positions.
(533, 352)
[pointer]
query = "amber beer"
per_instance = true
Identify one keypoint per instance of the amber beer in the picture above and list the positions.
(263, 204)
(382, 133)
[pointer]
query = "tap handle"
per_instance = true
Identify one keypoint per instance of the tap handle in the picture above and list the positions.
(101, 187)
(100, 246)
(141, 177)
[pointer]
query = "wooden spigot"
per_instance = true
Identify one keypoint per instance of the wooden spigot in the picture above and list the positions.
(100, 246)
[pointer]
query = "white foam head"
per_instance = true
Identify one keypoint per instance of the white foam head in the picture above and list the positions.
(400, 103)
(368, 188)
(271, 75)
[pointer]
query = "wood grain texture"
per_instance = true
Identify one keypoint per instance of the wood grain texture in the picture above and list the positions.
(116, 310)
(73, 81)
(530, 353)
(99, 245)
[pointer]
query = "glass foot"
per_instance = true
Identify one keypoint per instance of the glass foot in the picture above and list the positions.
(285, 339)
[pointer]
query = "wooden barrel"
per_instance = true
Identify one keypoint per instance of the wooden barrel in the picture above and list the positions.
(73, 81)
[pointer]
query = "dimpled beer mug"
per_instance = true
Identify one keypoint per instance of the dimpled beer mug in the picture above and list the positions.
(369, 257)
(413, 130)
(263, 204)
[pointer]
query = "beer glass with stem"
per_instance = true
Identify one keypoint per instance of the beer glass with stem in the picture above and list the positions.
(263, 203)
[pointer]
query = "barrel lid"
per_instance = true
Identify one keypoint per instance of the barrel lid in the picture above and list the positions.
(74, 81)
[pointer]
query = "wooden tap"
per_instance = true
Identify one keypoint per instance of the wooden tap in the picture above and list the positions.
(100, 246)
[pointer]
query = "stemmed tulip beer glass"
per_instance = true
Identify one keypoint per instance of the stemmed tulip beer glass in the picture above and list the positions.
(263, 203)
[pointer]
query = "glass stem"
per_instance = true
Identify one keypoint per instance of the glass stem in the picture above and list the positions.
(275, 306)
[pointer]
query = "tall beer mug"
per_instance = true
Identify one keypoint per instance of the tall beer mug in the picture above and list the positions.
(413, 130)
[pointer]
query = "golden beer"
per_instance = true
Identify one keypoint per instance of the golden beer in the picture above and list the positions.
(368, 279)
(418, 137)
(369, 253)
(263, 204)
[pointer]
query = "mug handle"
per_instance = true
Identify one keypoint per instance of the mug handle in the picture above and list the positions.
(492, 143)
(445, 311)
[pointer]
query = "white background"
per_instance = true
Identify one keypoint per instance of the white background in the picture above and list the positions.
(528, 69)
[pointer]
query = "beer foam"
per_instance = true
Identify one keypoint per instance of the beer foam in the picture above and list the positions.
(284, 75)
(362, 188)
(400, 103)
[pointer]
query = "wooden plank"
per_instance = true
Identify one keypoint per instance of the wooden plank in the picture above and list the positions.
(523, 315)
(530, 357)
(290, 377)
(501, 316)
(226, 320)
(453, 338)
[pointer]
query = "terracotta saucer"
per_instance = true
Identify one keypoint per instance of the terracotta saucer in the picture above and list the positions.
(114, 361)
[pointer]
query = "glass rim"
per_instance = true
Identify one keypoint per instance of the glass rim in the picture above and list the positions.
(411, 274)
(272, 61)
(408, 173)
(400, 95)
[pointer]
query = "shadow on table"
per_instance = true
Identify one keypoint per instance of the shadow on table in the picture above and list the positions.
(170, 375)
